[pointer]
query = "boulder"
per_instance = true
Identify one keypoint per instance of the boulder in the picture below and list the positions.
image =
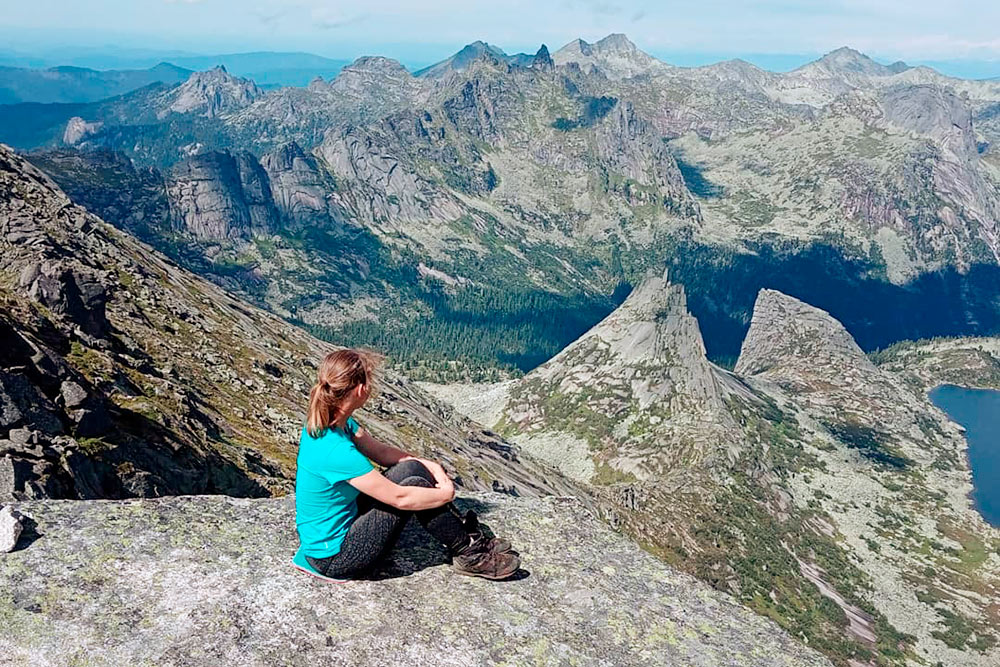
(72, 292)
(73, 394)
(10, 529)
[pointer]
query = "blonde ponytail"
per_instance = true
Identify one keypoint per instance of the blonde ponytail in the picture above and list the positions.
(340, 373)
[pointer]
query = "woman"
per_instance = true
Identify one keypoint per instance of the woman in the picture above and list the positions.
(348, 513)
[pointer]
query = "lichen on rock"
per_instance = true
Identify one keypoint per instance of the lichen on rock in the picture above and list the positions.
(204, 580)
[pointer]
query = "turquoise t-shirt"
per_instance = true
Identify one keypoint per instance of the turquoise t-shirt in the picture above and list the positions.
(325, 504)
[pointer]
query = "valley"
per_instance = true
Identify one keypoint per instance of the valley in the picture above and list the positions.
(706, 302)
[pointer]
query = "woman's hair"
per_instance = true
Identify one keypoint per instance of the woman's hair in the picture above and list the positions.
(340, 373)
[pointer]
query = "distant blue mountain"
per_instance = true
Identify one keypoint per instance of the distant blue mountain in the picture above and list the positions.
(269, 68)
(80, 84)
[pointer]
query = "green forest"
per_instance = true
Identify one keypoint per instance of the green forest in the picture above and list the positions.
(479, 333)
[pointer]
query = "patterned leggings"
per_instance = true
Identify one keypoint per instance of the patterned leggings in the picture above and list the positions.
(378, 526)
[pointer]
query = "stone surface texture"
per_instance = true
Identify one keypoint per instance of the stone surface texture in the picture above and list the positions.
(206, 580)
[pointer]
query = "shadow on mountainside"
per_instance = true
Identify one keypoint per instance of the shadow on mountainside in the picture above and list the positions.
(722, 285)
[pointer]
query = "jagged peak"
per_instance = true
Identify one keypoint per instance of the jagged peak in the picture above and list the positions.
(213, 92)
(542, 58)
(633, 330)
(614, 55)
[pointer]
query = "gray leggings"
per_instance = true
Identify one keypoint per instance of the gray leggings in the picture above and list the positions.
(378, 526)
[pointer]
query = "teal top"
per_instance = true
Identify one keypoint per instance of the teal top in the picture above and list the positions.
(325, 504)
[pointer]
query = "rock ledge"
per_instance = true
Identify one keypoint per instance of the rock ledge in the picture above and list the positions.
(205, 580)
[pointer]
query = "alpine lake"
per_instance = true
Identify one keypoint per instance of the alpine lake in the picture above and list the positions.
(978, 410)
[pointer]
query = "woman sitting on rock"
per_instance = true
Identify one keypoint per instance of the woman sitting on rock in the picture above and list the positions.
(348, 513)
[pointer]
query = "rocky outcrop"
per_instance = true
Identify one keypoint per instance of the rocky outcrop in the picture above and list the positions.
(639, 166)
(211, 93)
(784, 330)
(202, 580)
(298, 189)
(615, 56)
(78, 129)
(809, 354)
(890, 475)
(10, 528)
(217, 197)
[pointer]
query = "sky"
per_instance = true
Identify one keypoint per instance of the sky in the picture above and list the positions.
(781, 33)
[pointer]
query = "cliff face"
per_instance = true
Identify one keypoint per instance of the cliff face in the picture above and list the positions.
(204, 580)
(298, 188)
(209, 201)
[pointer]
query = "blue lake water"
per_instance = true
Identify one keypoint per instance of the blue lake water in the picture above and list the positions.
(978, 410)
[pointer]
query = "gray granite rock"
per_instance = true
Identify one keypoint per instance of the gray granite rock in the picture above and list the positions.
(206, 580)
(10, 529)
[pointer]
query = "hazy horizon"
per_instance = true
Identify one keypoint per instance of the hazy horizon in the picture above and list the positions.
(112, 57)
(779, 35)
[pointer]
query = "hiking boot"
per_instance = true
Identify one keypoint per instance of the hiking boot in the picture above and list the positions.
(478, 559)
(497, 544)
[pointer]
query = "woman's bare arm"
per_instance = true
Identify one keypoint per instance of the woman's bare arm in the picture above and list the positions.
(377, 451)
(412, 498)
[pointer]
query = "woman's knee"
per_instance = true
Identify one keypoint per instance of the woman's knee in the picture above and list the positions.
(409, 468)
(416, 480)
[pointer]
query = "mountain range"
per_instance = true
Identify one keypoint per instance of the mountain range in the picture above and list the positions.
(839, 179)
(70, 83)
(672, 272)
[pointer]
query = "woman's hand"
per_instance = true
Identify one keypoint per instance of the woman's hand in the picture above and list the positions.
(441, 479)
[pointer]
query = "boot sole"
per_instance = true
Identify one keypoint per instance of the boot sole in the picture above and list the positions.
(497, 577)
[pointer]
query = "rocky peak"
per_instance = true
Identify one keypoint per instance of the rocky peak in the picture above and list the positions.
(464, 58)
(807, 353)
(374, 80)
(638, 381)
(785, 330)
(542, 59)
(212, 93)
(740, 71)
(374, 65)
(616, 42)
(898, 67)
(615, 56)
(844, 62)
